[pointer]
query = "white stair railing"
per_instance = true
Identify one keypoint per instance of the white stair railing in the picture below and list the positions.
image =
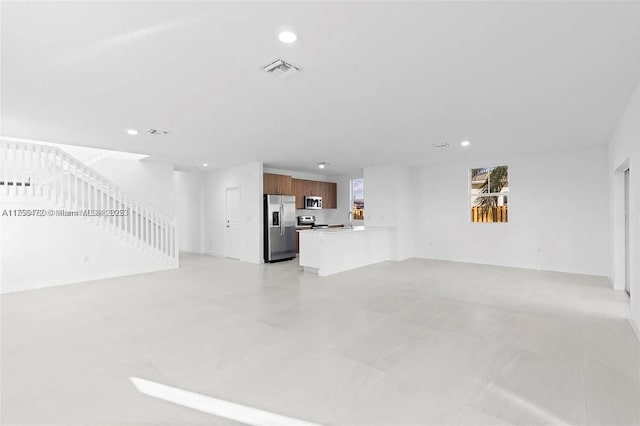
(32, 170)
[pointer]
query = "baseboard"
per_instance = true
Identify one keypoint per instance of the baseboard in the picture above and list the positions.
(530, 268)
(611, 283)
(89, 279)
(634, 328)
(192, 251)
(213, 253)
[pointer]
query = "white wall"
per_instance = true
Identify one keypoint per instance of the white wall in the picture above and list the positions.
(48, 251)
(188, 188)
(624, 152)
(339, 215)
(148, 181)
(558, 213)
(248, 178)
(389, 200)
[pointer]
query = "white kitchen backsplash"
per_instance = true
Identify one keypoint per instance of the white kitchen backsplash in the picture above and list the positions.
(328, 216)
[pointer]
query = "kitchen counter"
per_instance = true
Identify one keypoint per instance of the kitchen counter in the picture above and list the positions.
(305, 227)
(300, 228)
(330, 251)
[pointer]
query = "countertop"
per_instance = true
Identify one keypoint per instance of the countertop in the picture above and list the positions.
(305, 227)
(356, 228)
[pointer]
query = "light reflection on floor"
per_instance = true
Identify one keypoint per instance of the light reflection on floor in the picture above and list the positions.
(522, 404)
(217, 407)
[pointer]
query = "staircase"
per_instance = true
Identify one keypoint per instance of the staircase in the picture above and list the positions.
(46, 172)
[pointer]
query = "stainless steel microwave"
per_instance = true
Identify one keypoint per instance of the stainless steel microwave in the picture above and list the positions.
(312, 203)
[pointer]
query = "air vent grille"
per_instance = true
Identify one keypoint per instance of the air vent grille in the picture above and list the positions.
(281, 68)
(157, 132)
(441, 145)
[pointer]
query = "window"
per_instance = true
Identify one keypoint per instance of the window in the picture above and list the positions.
(357, 199)
(489, 192)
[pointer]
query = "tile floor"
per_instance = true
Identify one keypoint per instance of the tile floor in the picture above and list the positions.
(400, 343)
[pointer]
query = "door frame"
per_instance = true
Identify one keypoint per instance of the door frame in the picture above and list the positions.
(627, 229)
(618, 264)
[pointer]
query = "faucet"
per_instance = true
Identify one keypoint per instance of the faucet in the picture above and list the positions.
(350, 219)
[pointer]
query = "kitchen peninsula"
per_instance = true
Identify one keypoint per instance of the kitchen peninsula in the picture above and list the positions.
(329, 251)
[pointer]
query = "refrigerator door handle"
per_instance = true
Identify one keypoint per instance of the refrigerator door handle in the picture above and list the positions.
(281, 219)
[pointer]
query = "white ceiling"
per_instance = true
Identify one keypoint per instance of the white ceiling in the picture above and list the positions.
(381, 81)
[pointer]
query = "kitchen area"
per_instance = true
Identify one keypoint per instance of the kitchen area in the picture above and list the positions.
(302, 219)
(297, 205)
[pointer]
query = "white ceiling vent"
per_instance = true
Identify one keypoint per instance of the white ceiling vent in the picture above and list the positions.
(157, 132)
(441, 145)
(281, 68)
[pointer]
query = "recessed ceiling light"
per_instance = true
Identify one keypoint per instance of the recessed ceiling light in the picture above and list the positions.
(287, 37)
(132, 131)
(322, 165)
(205, 165)
(465, 143)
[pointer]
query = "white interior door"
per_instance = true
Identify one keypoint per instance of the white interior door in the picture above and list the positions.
(233, 224)
(627, 266)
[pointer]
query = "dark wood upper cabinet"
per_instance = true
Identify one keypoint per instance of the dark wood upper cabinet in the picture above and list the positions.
(277, 184)
(333, 195)
(298, 190)
(326, 190)
(270, 184)
(285, 185)
(314, 188)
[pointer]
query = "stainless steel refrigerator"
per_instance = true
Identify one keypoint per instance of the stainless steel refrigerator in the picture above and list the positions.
(279, 227)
